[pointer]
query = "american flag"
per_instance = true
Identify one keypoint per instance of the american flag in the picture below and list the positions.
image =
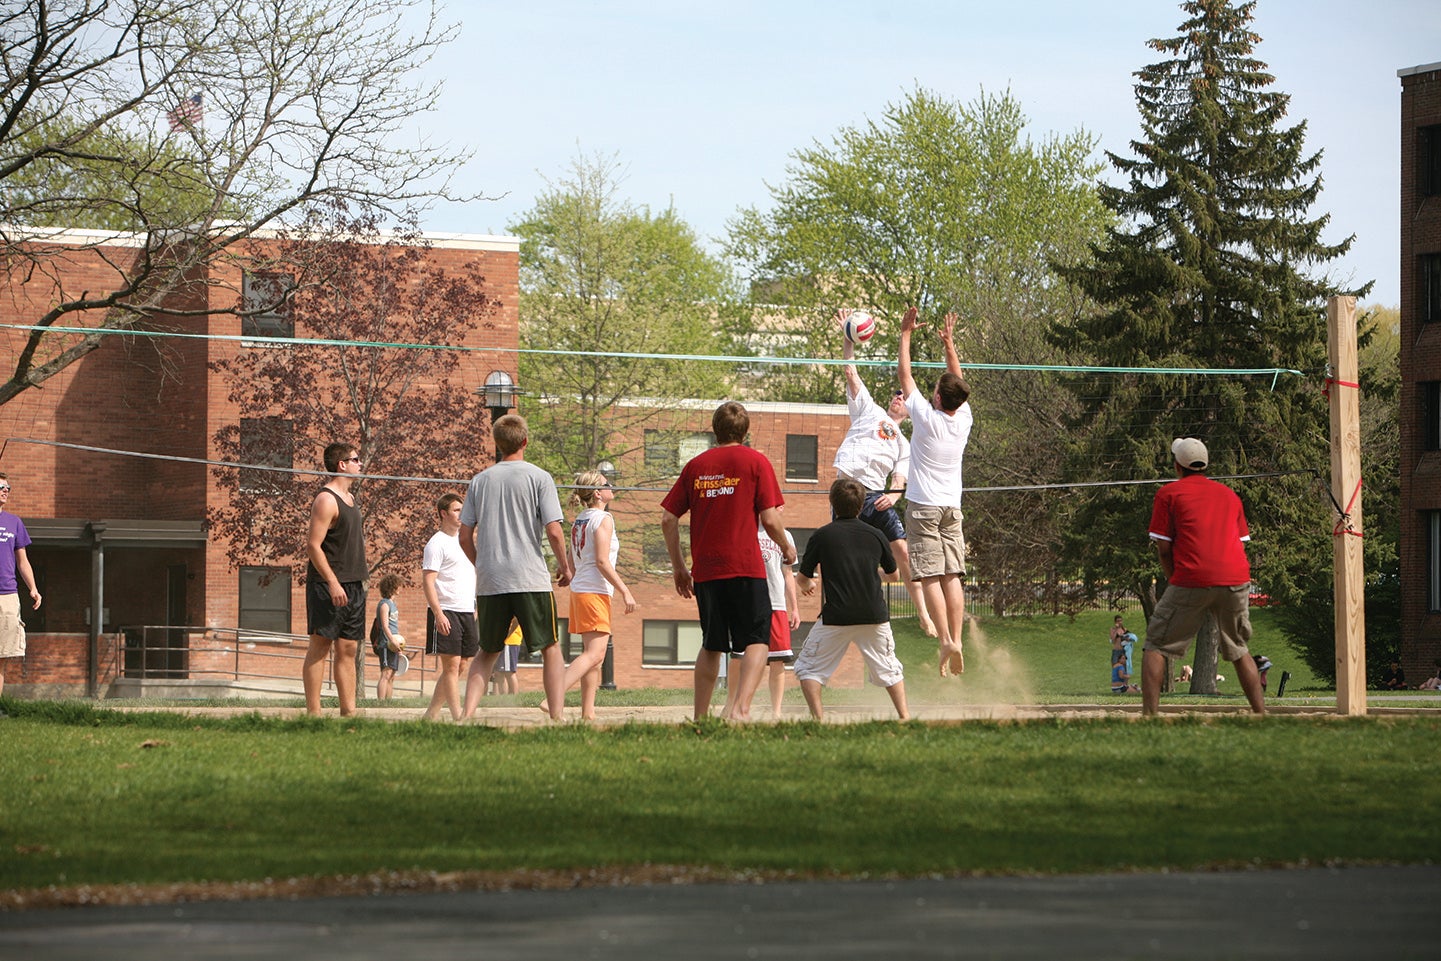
(185, 115)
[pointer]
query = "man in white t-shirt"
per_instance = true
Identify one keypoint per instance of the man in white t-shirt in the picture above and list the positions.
(449, 581)
(940, 427)
(876, 454)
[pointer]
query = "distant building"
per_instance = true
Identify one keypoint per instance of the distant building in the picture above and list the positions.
(1420, 367)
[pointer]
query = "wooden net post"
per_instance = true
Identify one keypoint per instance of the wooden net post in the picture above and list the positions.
(1350, 575)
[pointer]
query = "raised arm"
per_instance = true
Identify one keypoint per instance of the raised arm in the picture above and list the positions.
(903, 360)
(848, 352)
(948, 337)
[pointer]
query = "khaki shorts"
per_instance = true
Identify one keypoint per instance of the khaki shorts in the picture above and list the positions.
(935, 541)
(12, 629)
(825, 645)
(1181, 611)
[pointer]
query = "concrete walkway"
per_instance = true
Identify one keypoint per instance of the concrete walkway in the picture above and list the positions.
(524, 717)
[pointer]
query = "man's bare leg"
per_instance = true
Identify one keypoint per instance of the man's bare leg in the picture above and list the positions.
(941, 601)
(913, 588)
(752, 672)
(897, 691)
(312, 672)
(811, 690)
(777, 671)
(344, 673)
(1250, 679)
(552, 669)
(476, 680)
(592, 652)
(733, 686)
(707, 669)
(447, 689)
(1153, 672)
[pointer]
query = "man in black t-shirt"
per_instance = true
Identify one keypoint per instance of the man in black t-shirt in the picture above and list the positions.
(850, 554)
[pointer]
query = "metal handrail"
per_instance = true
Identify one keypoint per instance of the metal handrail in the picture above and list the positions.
(244, 658)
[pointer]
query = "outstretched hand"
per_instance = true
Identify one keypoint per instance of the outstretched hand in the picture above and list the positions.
(949, 333)
(908, 320)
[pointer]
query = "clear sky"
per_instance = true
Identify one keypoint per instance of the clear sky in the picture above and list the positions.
(703, 103)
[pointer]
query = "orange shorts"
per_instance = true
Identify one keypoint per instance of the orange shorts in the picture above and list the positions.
(589, 613)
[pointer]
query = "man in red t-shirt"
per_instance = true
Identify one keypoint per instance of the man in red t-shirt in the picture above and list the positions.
(1199, 529)
(726, 490)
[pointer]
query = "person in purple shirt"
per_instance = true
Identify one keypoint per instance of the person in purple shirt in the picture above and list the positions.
(13, 541)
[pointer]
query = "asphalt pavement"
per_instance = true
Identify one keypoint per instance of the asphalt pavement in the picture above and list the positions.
(1314, 914)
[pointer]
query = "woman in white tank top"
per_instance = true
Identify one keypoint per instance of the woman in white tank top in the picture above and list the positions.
(593, 550)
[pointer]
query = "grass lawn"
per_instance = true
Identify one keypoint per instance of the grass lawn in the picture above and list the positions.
(98, 797)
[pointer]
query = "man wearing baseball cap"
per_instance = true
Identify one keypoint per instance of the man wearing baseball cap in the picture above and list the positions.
(1199, 529)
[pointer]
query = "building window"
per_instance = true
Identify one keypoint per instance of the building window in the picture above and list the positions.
(1430, 391)
(802, 456)
(265, 599)
(265, 304)
(266, 442)
(1428, 297)
(1433, 560)
(666, 451)
(1428, 161)
(670, 643)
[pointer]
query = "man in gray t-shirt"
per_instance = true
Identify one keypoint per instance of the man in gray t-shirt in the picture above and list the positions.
(517, 505)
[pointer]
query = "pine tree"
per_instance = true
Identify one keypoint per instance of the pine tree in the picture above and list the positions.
(1213, 263)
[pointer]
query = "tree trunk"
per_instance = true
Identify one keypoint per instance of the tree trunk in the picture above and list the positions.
(1203, 667)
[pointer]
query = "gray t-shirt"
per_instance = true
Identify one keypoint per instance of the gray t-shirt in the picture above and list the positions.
(510, 505)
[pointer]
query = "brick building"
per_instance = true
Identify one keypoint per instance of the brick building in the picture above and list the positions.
(1420, 368)
(125, 535)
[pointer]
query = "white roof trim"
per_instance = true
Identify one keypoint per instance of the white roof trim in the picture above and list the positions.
(1424, 68)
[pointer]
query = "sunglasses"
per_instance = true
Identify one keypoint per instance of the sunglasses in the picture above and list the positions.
(4, 488)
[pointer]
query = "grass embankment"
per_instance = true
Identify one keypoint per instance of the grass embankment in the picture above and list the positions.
(94, 797)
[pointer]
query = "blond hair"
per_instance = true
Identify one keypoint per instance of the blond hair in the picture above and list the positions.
(588, 486)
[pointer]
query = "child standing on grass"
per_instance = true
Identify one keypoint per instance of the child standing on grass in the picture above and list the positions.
(385, 637)
(850, 554)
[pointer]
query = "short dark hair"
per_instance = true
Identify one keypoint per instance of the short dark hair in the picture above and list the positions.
(337, 452)
(443, 505)
(952, 390)
(847, 498)
(510, 433)
(730, 423)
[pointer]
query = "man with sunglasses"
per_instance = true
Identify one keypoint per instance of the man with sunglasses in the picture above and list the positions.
(335, 582)
(876, 455)
(14, 567)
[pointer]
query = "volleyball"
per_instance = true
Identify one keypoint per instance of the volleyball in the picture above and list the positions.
(859, 327)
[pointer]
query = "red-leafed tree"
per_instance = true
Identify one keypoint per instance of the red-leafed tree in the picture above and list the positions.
(412, 411)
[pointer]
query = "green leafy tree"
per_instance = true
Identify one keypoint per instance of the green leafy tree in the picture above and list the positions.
(189, 125)
(600, 276)
(947, 206)
(1211, 265)
(1310, 623)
